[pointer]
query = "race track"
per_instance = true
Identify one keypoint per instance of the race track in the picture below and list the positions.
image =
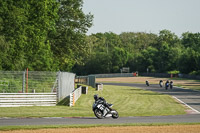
(188, 97)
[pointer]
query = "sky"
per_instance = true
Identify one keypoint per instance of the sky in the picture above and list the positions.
(150, 16)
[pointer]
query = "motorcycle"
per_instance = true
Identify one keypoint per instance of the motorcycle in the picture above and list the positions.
(101, 111)
(147, 83)
(161, 83)
(166, 86)
(171, 85)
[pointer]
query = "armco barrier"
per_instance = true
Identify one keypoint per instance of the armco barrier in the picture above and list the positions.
(114, 75)
(27, 99)
(163, 75)
(74, 96)
(166, 75)
(99, 86)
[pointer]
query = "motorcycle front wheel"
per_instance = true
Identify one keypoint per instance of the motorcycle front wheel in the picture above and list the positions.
(98, 113)
(115, 114)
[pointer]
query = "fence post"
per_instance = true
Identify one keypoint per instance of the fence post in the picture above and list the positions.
(27, 80)
(23, 81)
(59, 86)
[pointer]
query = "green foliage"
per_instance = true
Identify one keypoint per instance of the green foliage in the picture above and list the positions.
(191, 40)
(195, 72)
(174, 72)
(4, 51)
(145, 59)
(139, 51)
(42, 35)
(68, 42)
(189, 61)
(119, 59)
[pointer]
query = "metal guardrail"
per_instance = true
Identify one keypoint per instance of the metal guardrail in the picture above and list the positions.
(74, 96)
(27, 99)
(114, 75)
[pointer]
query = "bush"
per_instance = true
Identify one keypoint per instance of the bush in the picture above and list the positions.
(173, 72)
(195, 72)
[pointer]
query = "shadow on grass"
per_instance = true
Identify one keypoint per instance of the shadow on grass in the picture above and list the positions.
(64, 102)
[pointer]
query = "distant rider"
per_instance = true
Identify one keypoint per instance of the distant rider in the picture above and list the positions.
(147, 82)
(161, 83)
(171, 84)
(166, 84)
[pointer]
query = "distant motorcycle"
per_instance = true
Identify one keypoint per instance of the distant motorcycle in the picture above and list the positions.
(147, 83)
(101, 111)
(161, 83)
(171, 84)
(166, 85)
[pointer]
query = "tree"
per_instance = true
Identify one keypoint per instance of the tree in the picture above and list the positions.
(68, 42)
(119, 59)
(25, 25)
(168, 45)
(41, 21)
(189, 61)
(191, 40)
(111, 40)
(136, 42)
(13, 17)
(146, 59)
(4, 54)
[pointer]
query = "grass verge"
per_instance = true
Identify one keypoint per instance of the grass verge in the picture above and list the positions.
(128, 101)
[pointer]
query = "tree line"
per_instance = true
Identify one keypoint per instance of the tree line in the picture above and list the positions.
(162, 53)
(42, 35)
(50, 35)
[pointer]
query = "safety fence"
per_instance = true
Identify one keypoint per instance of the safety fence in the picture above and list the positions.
(27, 99)
(114, 75)
(65, 84)
(39, 88)
(82, 80)
(86, 80)
(27, 81)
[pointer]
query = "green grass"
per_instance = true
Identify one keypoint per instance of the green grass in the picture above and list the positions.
(128, 101)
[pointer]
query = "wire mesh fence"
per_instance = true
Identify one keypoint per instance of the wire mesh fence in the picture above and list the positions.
(11, 81)
(29, 82)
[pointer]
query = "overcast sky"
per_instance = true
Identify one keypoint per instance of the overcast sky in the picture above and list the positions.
(118, 16)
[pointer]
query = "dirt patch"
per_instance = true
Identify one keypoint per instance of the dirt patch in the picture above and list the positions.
(126, 129)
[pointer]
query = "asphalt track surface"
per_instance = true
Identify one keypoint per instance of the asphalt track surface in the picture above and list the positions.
(189, 97)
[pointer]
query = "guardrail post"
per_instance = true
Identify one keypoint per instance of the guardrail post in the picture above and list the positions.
(59, 86)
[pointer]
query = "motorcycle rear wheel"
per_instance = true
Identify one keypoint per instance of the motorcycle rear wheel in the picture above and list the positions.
(98, 113)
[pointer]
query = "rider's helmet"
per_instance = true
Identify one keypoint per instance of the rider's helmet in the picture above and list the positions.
(95, 97)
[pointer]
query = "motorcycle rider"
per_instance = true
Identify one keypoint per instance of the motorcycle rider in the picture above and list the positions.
(171, 84)
(161, 83)
(167, 84)
(102, 101)
(147, 82)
